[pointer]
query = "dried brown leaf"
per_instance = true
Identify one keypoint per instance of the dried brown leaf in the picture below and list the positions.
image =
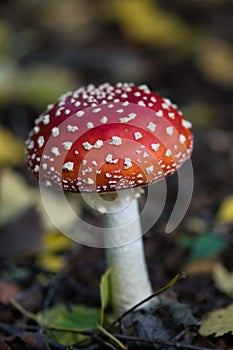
(8, 291)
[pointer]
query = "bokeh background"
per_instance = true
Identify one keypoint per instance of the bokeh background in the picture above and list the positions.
(181, 49)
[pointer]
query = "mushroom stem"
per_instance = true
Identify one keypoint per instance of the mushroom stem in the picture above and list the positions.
(125, 256)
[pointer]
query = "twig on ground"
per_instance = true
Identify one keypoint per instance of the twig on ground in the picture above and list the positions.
(106, 343)
(110, 336)
(8, 329)
(115, 337)
(180, 335)
(167, 343)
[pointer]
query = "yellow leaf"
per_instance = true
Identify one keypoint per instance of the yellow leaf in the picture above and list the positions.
(11, 148)
(225, 212)
(53, 200)
(200, 267)
(144, 21)
(56, 242)
(218, 322)
(223, 279)
(51, 262)
(16, 195)
(215, 59)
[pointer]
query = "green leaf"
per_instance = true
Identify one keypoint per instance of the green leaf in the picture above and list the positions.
(218, 322)
(66, 322)
(104, 293)
(79, 318)
(203, 245)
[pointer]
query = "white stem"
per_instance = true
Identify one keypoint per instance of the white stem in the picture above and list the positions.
(129, 278)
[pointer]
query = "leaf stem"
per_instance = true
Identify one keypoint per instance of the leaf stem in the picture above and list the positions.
(178, 277)
(23, 311)
(110, 336)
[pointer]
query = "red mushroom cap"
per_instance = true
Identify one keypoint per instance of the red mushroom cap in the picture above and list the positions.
(99, 139)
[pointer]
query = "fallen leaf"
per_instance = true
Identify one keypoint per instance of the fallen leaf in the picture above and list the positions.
(145, 22)
(15, 272)
(225, 212)
(223, 279)
(200, 267)
(218, 322)
(16, 195)
(56, 242)
(11, 148)
(79, 318)
(8, 290)
(54, 201)
(203, 245)
(215, 59)
(36, 340)
(105, 295)
(51, 261)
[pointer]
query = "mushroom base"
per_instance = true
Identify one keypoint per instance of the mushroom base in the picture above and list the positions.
(125, 254)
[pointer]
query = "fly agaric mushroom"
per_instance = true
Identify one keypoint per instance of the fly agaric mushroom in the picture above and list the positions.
(103, 139)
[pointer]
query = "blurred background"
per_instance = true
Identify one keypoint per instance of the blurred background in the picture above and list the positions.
(181, 49)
